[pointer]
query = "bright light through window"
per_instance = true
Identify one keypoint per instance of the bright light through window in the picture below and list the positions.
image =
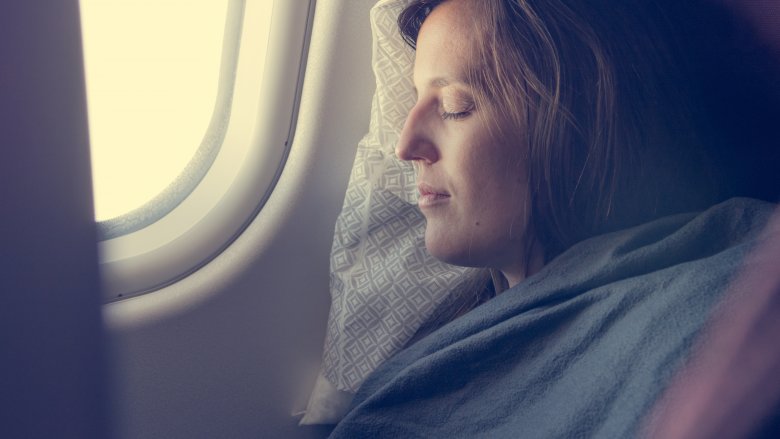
(152, 70)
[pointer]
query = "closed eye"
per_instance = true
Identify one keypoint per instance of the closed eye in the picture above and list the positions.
(455, 116)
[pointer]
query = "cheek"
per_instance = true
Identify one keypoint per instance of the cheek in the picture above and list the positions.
(488, 216)
(495, 179)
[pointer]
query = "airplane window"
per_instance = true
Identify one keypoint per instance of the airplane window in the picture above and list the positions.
(204, 95)
(152, 76)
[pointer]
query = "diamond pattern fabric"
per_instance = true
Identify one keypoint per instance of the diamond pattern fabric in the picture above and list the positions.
(384, 284)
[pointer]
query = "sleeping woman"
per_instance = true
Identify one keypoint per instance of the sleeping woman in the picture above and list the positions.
(557, 144)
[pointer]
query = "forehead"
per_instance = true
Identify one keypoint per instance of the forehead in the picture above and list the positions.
(444, 44)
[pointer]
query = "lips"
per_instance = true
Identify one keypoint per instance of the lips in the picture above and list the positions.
(431, 196)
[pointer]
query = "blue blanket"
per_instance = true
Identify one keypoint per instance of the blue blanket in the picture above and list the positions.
(581, 349)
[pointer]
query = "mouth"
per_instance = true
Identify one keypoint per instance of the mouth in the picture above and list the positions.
(430, 196)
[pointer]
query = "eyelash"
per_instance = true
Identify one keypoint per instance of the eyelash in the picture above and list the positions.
(455, 116)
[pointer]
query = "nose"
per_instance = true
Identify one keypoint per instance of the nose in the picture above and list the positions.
(416, 142)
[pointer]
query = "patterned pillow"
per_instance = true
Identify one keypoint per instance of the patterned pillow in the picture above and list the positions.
(384, 284)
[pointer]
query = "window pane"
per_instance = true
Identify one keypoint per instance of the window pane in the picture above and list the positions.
(152, 70)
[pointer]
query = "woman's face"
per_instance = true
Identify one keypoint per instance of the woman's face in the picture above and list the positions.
(472, 182)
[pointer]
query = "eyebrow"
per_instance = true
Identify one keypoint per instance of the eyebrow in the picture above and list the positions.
(442, 81)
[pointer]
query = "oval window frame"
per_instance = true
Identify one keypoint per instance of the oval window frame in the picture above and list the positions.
(227, 183)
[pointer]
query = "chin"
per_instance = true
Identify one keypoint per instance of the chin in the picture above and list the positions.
(448, 251)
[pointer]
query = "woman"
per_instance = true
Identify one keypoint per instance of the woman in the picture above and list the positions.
(543, 133)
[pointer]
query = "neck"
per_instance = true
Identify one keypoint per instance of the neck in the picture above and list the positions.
(530, 265)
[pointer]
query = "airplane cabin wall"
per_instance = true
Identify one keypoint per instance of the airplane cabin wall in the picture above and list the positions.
(232, 350)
